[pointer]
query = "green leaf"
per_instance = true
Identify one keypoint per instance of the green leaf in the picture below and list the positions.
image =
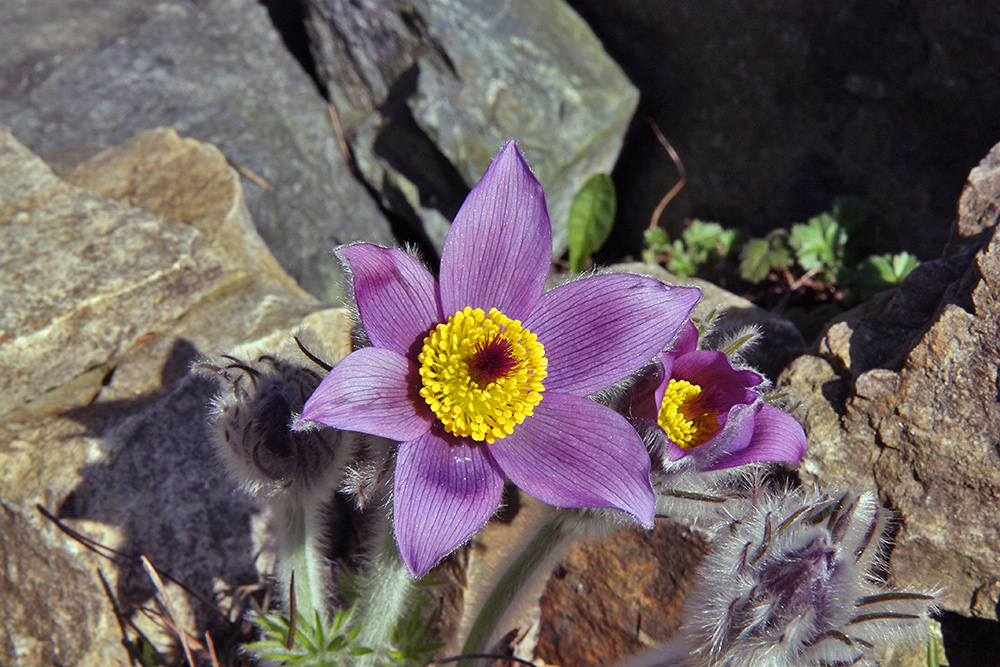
(656, 238)
(682, 262)
(760, 256)
(902, 265)
(590, 218)
(819, 244)
(704, 235)
(881, 272)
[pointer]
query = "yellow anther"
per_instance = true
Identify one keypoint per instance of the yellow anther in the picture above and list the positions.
(482, 373)
(681, 416)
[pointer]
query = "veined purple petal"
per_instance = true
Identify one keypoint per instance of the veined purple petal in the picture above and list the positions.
(599, 329)
(371, 391)
(722, 385)
(499, 248)
(687, 339)
(573, 452)
(777, 436)
(444, 491)
(397, 297)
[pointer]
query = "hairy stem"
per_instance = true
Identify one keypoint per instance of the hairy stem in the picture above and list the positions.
(544, 539)
(301, 552)
(385, 595)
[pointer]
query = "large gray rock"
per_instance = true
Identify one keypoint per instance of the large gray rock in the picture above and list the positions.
(105, 307)
(84, 75)
(430, 90)
(901, 394)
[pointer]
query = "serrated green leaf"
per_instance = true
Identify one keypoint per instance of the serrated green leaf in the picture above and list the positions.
(881, 272)
(590, 219)
(681, 263)
(903, 264)
(703, 235)
(656, 237)
(819, 244)
(754, 264)
(760, 256)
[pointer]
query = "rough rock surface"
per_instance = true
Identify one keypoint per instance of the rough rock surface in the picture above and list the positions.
(100, 424)
(77, 77)
(902, 394)
(778, 107)
(609, 600)
(429, 90)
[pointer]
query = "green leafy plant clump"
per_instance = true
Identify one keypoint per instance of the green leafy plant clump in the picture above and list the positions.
(703, 246)
(818, 249)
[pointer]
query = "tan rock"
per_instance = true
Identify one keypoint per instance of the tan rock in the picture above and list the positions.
(901, 394)
(105, 306)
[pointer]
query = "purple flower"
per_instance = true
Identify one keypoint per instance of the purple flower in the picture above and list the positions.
(483, 376)
(709, 416)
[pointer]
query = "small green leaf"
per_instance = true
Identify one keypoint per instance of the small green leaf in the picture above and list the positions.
(819, 244)
(760, 256)
(704, 235)
(590, 218)
(656, 238)
(682, 262)
(882, 272)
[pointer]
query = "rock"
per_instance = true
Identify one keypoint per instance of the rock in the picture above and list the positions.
(901, 394)
(429, 91)
(612, 598)
(101, 425)
(776, 111)
(113, 261)
(84, 77)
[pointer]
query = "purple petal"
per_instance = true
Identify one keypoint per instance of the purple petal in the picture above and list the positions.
(573, 452)
(646, 396)
(371, 391)
(732, 437)
(444, 491)
(722, 385)
(498, 251)
(777, 436)
(397, 297)
(687, 339)
(599, 329)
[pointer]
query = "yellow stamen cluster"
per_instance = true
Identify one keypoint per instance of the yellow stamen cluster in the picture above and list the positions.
(468, 402)
(682, 418)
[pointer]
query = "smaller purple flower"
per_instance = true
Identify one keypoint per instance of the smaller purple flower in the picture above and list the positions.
(708, 414)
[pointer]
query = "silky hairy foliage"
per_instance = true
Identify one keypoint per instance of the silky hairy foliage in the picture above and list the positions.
(794, 581)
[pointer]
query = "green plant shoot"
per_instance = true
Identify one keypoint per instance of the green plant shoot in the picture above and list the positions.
(590, 220)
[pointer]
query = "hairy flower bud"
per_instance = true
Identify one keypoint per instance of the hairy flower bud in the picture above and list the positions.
(795, 581)
(250, 424)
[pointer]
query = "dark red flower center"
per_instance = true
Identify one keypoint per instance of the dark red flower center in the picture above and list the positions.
(493, 359)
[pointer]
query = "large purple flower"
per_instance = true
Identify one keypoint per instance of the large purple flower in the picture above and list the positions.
(708, 414)
(483, 376)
